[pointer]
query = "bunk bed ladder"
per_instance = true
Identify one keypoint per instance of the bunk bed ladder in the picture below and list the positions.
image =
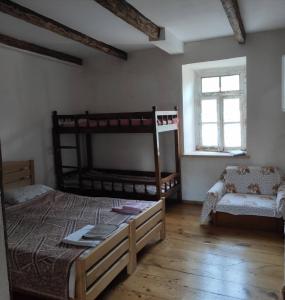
(58, 154)
(89, 146)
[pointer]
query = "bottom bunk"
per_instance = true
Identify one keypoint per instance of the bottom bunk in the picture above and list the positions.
(120, 184)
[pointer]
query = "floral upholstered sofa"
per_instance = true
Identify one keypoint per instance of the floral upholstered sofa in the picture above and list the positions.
(250, 190)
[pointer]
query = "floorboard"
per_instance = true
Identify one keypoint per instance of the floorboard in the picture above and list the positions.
(203, 263)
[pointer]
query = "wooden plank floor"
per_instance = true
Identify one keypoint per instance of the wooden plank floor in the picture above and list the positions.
(196, 263)
(203, 263)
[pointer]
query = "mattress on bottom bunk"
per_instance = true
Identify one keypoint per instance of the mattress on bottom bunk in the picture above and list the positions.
(35, 231)
(98, 180)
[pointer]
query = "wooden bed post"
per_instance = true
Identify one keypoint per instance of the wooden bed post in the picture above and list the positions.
(163, 230)
(57, 151)
(178, 157)
(132, 247)
(156, 154)
(4, 223)
(80, 288)
(89, 147)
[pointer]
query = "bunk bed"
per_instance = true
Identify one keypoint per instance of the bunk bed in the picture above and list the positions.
(84, 179)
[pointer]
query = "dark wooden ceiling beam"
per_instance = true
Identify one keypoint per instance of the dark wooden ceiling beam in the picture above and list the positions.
(19, 44)
(30, 16)
(232, 10)
(132, 16)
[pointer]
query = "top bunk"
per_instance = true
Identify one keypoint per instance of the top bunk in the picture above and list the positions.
(129, 122)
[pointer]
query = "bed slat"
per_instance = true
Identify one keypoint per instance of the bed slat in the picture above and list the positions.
(149, 236)
(106, 262)
(105, 247)
(104, 281)
(144, 228)
(150, 212)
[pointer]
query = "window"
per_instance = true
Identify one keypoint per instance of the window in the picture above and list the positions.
(220, 110)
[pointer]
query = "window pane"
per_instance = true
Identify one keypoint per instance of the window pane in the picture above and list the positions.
(209, 135)
(210, 84)
(209, 110)
(232, 135)
(230, 83)
(232, 110)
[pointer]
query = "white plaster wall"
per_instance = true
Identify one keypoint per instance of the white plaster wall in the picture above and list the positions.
(4, 284)
(31, 87)
(153, 77)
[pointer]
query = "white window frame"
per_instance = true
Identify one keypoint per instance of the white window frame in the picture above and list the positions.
(220, 96)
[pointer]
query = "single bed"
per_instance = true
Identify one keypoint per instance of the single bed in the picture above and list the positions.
(89, 270)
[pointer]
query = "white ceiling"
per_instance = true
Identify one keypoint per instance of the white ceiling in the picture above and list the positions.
(189, 20)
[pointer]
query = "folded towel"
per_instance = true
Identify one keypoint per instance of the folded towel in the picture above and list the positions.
(138, 206)
(122, 210)
(131, 208)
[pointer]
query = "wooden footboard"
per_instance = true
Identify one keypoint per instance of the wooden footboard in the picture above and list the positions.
(99, 267)
(144, 228)
(95, 270)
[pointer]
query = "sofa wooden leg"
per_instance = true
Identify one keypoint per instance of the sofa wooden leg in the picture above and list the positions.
(213, 219)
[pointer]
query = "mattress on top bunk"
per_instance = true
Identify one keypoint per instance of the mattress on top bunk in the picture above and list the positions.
(35, 230)
(115, 122)
(100, 180)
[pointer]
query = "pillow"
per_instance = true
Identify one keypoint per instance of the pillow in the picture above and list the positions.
(22, 194)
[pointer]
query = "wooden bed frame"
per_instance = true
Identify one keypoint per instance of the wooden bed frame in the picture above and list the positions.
(95, 270)
(167, 184)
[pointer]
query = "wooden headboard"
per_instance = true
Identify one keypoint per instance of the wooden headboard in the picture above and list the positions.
(18, 173)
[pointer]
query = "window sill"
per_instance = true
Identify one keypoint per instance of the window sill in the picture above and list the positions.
(215, 154)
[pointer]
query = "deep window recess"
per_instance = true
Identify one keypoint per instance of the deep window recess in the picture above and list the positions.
(221, 110)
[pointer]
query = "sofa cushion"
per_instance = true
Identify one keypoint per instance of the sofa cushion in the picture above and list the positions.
(252, 180)
(245, 204)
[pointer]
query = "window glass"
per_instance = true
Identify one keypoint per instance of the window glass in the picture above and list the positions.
(210, 135)
(232, 135)
(232, 110)
(230, 83)
(209, 110)
(221, 107)
(210, 84)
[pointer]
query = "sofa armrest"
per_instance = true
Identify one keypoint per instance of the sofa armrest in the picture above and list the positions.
(280, 200)
(217, 191)
(214, 195)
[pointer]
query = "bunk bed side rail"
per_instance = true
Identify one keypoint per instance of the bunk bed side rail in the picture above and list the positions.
(104, 116)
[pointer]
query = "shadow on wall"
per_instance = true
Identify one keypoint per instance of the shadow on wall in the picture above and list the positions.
(33, 141)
